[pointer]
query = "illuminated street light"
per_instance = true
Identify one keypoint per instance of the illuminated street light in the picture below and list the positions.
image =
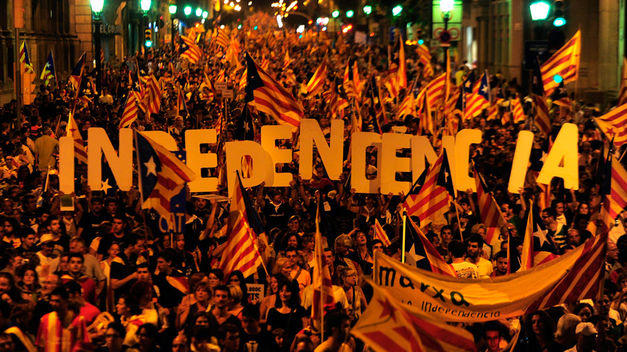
(367, 9)
(96, 6)
(446, 5)
(559, 21)
(350, 13)
(335, 14)
(205, 14)
(187, 10)
(396, 10)
(198, 12)
(145, 5)
(539, 10)
(172, 9)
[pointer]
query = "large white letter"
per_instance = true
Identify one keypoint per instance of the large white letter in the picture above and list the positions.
(562, 160)
(391, 164)
(331, 154)
(361, 140)
(66, 164)
(421, 149)
(463, 140)
(520, 164)
(261, 168)
(269, 135)
(163, 138)
(121, 166)
(197, 161)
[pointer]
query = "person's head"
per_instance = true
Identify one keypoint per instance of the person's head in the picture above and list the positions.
(584, 311)
(221, 296)
(327, 256)
(27, 275)
(6, 343)
(201, 320)
(229, 337)
(348, 277)
(164, 261)
(494, 332)
(501, 262)
(457, 249)
(542, 325)
(77, 245)
(123, 307)
(48, 283)
(446, 235)
(361, 239)
(548, 216)
(143, 274)
(114, 250)
(475, 244)
(75, 263)
(292, 257)
(215, 277)
(574, 237)
(179, 242)
(603, 304)
(250, 317)
(377, 245)
(586, 336)
(54, 225)
(288, 294)
(59, 300)
(179, 344)
(28, 240)
(117, 225)
(202, 293)
(342, 245)
(294, 223)
(114, 336)
(147, 335)
(565, 331)
(558, 207)
(293, 241)
(337, 324)
(235, 294)
(7, 283)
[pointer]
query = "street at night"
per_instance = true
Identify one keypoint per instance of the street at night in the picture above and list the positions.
(313, 176)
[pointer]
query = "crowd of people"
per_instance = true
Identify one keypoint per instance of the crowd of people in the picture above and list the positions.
(106, 276)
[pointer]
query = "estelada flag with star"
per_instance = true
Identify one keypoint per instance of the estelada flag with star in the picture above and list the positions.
(161, 175)
(389, 325)
(422, 253)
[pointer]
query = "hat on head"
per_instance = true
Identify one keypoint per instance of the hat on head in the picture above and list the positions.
(587, 329)
(46, 237)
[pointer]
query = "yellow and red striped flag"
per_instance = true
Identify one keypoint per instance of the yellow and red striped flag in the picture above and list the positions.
(402, 65)
(407, 106)
(424, 56)
(131, 108)
(436, 90)
(518, 114)
(479, 99)
(433, 199)
(71, 130)
(269, 97)
(316, 83)
(25, 59)
(563, 66)
(387, 325)
(380, 234)
(391, 83)
(152, 95)
(241, 252)
(321, 276)
(613, 125)
(222, 38)
(420, 248)
(526, 257)
(542, 118)
(616, 201)
(161, 175)
(190, 50)
(489, 211)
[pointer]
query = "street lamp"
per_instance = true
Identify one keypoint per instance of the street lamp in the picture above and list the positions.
(367, 9)
(172, 9)
(187, 10)
(350, 13)
(396, 10)
(198, 12)
(335, 14)
(446, 7)
(96, 8)
(205, 14)
(145, 5)
(539, 10)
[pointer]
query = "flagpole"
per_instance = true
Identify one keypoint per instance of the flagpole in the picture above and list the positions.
(404, 234)
(321, 270)
(459, 224)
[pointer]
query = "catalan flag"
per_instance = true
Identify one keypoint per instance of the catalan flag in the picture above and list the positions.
(392, 84)
(48, 72)
(582, 281)
(161, 175)
(152, 95)
(241, 252)
(616, 201)
(433, 198)
(189, 50)
(542, 118)
(407, 106)
(518, 114)
(526, 257)
(131, 109)
(563, 66)
(268, 96)
(402, 65)
(71, 130)
(222, 38)
(77, 73)
(25, 59)
(424, 57)
(436, 90)
(380, 234)
(489, 211)
(316, 83)
(479, 99)
(335, 103)
(613, 124)
(423, 254)
(388, 325)
(321, 276)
